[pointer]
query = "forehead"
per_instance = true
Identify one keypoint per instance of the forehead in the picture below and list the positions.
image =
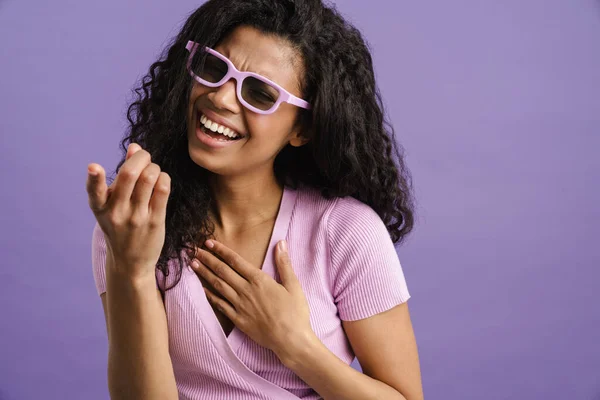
(270, 56)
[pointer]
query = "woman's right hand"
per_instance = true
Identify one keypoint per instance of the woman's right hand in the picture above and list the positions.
(131, 212)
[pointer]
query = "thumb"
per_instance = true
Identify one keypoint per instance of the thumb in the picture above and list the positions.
(284, 266)
(132, 149)
(96, 187)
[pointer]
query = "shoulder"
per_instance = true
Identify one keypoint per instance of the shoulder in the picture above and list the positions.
(352, 228)
(348, 213)
(352, 224)
(339, 213)
(357, 235)
(364, 270)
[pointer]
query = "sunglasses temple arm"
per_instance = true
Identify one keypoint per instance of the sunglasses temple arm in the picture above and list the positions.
(190, 45)
(298, 102)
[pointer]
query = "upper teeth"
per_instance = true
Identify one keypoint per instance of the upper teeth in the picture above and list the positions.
(213, 126)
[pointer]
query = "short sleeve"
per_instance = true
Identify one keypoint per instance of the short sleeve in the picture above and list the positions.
(366, 276)
(99, 259)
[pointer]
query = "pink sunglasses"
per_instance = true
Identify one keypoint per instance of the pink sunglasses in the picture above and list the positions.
(254, 91)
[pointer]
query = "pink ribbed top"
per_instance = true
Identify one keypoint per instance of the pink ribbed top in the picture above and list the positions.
(347, 266)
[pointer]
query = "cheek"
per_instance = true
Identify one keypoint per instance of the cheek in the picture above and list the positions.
(274, 128)
(197, 91)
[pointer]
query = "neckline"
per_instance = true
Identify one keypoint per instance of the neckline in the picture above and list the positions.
(227, 346)
(267, 266)
(280, 228)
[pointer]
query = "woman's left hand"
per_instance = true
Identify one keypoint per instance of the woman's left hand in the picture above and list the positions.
(275, 316)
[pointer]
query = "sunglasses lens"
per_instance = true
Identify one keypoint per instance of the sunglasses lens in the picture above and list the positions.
(213, 70)
(255, 92)
(259, 93)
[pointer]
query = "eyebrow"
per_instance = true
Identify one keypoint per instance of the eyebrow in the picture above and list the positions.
(266, 74)
(296, 80)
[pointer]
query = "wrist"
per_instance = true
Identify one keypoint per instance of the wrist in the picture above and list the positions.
(118, 273)
(298, 349)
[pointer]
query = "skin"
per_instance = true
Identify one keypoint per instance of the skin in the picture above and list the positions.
(131, 213)
(247, 199)
(247, 195)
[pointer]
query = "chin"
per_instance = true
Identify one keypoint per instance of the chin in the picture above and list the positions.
(217, 167)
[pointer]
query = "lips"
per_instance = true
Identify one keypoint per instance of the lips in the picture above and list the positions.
(215, 118)
(212, 140)
(216, 134)
(216, 130)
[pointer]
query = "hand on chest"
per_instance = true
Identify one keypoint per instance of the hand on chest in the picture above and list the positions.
(252, 247)
(251, 285)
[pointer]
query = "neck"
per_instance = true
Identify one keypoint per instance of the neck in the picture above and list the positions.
(241, 203)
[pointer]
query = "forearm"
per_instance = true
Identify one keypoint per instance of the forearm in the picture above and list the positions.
(139, 364)
(333, 379)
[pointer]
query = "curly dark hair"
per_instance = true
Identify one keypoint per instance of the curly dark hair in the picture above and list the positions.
(351, 151)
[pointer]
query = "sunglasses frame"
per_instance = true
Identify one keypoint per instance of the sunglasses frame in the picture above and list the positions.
(239, 76)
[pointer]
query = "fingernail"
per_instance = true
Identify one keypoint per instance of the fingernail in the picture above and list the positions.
(92, 173)
(282, 246)
(195, 264)
(209, 244)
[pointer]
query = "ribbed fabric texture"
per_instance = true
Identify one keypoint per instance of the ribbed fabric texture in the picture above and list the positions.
(347, 266)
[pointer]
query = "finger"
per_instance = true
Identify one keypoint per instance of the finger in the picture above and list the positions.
(142, 192)
(218, 284)
(231, 258)
(284, 266)
(96, 187)
(222, 270)
(132, 149)
(158, 203)
(222, 305)
(128, 175)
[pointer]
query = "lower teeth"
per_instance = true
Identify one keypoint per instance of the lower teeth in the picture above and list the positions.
(216, 138)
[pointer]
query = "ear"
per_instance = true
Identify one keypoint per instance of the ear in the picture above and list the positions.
(298, 139)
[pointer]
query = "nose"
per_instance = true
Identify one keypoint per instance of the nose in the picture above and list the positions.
(224, 97)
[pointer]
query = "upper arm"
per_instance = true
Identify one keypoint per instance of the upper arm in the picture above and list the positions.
(103, 298)
(371, 294)
(365, 274)
(386, 349)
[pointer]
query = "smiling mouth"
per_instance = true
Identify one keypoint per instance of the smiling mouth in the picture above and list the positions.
(215, 130)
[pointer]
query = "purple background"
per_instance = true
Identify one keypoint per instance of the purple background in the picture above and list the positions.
(497, 104)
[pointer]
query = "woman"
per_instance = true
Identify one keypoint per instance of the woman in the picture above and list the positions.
(245, 250)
